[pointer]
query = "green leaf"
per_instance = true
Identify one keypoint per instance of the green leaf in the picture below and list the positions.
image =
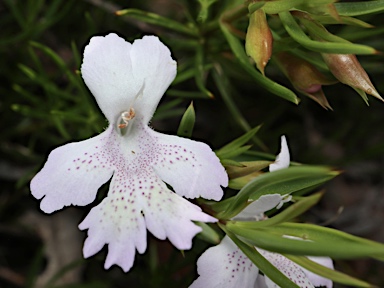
(187, 122)
(230, 162)
(359, 8)
(298, 35)
(284, 181)
(239, 183)
(239, 52)
(326, 272)
(255, 6)
(325, 19)
(158, 20)
(223, 84)
(247, 168)
(275, 7)
(208, 234)
(263, 264)
(200, 72)
(186, 94)
(204, 10)
(236, 144)
(317, 241)
(57, 59)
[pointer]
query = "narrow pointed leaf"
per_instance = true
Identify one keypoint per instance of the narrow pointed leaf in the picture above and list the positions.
(317, 241)
(298, 35)
(158, 20)
(255, 6)
(187, 122)
(284, 181)
(248, 168)
(204, 10)
(325, 19)
(359, 8)
(208, 234)
(237, 143)
(326, 272)
(275, 7)
(200, 72)
(266, 83)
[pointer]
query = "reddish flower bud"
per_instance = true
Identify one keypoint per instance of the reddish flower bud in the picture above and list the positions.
(347, 69)
(304, 77)
(259, 40)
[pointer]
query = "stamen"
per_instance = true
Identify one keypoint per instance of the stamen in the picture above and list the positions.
(126, 116)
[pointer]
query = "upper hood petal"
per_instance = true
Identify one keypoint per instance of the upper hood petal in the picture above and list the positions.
(122, 75)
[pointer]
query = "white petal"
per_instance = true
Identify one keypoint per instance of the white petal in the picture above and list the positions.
(151, 61)
(256, 209)
(225, 266)
(136, 202)
(290, 269)
(316, 279)
(283, 159)
(115, 71)
(260, 282)
(190, 167)
(73, 173)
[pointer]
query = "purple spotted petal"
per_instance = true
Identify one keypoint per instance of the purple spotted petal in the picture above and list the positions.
(317, 280)
(190, 167)
(73, 173)
(137, 202)
(225, 266)
(125, 77)
(290, 269)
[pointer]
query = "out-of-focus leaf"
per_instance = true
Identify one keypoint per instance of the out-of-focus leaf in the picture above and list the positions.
(325, 19)
(326, 272)
(223, 84)
(187, 122)
(186, 94)
(57, 59)
(263, 264)
(230, 162)
(275, 7)
(298, 34)
(158, 20)
(240, 182)
(359, 8)
(208, 234)
(255, 6)
(236, 144)
(204, 10)
(62, 271)
(200, 72)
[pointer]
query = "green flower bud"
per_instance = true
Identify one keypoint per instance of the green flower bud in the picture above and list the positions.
(259, 40)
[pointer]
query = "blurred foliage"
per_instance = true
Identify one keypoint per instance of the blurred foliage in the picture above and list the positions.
(44, 103)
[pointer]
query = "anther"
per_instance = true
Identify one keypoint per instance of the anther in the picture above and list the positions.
(126, 116)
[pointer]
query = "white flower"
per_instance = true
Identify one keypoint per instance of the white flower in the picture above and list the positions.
(226, 266)
(128, 81)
